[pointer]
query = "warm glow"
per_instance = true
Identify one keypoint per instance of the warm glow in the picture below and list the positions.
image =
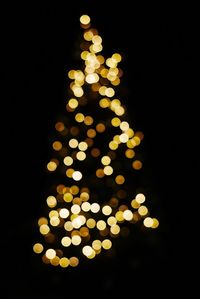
(51, 201)
(148, 222)
(106, 210)
(106, 244)
(68, 161)
(140, 198)
(105, 160)
(38, 248)
(50, 253)
(77, 175)
(66, 241)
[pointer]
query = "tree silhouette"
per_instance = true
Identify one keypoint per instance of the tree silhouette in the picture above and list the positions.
(93, 197)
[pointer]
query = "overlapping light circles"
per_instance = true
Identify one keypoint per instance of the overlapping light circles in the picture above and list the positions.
(94, 144)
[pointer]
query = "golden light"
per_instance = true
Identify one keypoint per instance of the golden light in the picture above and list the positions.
(73, 103)
(106, 210)
(64, 262)
(106, 244)
(108, 170)
(129, 153)
(68, 161)
(64, 213)
(87, 250)
(115, 122)
(55, 221)
(66, 241)
(101, 225)
(137, 164)
(84, 196)
(105, 160)
(155, 223)
(120, 179)
(51, 166)
(95, 207)
(85, 206)
(140, 198)
(42, 220)
(38, 248)
(148, 222)
(117, 57)
(59, 126)
(115, 229)
(143, 210)
(50, 253)
(57, 145)
(123, 138)
(67, 197)
(88, 120)
(109, 92)
(91, 223)
(81, 156)
(111, 220)
(85, 19)
(93, 201)
(91, 133)
(69, 172)
(73, 143)
(76, 240)
(128, 215)
(51, 201)
(92, 78)
(104, 103)
(83, 146)
(124, 126)
(96, 244)
(79, 117)
(73, 261)
(100, 128)
(44, 229)
(75, 209)
(119, 216)
(68, 226)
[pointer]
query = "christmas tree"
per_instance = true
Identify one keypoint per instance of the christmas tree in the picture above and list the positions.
(93, 198)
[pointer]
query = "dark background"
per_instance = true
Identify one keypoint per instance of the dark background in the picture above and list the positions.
(158, 44)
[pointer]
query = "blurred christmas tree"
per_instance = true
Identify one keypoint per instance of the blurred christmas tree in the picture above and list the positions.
(95, 164)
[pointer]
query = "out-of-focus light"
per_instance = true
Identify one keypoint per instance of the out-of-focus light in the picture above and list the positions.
(77, 175)
(73, 143)
(64, 262)
(73, 261)
(66, 241)
(50, 253)
(108, 170)
(106, 244)
(95, 207)
(148, 222)
(38, 248)
(51, 201)
(137, 164)
(68, 161)
(106, 210)
(85, 19)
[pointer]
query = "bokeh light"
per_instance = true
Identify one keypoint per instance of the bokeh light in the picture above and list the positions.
(94, 196)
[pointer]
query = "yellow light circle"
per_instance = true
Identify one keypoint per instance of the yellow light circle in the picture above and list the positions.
(106, 244)
(64, 262)
(50, 253)
(85, 19)
(38, 248)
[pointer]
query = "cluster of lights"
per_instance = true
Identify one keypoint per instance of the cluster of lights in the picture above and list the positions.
(92, 206)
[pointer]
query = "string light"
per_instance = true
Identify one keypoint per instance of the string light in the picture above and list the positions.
(96, 154)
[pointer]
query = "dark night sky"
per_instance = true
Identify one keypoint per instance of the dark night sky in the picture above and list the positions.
(158, 46)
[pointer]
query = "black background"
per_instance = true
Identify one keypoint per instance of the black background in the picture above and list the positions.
(158, 44)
